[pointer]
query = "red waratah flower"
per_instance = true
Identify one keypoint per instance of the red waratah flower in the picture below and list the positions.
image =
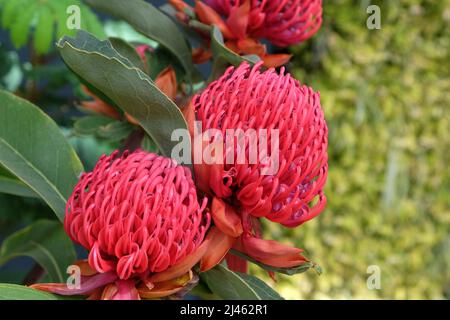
(139, 217)
(283, 22)
(245, 98)
(244, 22)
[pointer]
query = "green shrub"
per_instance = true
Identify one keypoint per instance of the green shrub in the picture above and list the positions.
(385, 94)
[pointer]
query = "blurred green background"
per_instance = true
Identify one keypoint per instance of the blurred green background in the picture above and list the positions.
(386, 98)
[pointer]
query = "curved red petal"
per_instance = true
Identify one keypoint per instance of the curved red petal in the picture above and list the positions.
(272, 253)
(218, 247)
(207, 15)
(238, 19)
(166, 81)
(182, 267)
(88, 284)
(276, 60)
(226, 218)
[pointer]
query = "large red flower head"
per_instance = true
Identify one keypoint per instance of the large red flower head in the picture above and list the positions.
(261, 104)
(283, 22)
(136, 214)
(245, 98)
(139, 217)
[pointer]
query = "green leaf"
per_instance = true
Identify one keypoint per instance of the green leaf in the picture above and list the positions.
(16, 292)
(121, 29)
(15, 187)
(85, 42)
(43, 34)
(115, 131)
(33, 148)
(261, 288)
(89, 125)
(151, 22)
(234, 286)
(9, 12)
(128, 51)
(159, 59)
(288, 271)
(46, 242)
(222, 56)
(43, 17)
(129, 87)
(21, 27)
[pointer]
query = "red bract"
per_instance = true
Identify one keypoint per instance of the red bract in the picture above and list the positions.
(136, 214)
(245, 98)
(283, 22)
